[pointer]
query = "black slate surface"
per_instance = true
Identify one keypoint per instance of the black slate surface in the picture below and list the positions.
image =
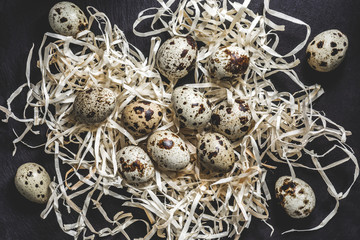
(23, 23)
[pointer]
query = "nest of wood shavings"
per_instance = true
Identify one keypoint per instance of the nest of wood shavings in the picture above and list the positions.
(191, 203)
(284, 122)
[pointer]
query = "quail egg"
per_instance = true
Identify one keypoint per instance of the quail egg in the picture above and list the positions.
(228, 63)
(232, 121)
(168, 150)
(135, 165)
(192, 109)
(215, 152)
(32, 181)
(296, 196)
(327, 50)
(67, 19)
(94, 105)
(176, 57)
(141, 117)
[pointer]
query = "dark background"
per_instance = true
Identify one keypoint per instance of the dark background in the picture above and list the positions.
(23, 23)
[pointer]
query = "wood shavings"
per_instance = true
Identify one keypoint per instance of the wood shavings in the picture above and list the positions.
(192, 203)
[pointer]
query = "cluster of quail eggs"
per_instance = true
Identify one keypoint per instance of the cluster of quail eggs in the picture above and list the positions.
(177, 56)
(166, 150)
(228, 122)
(192, 110)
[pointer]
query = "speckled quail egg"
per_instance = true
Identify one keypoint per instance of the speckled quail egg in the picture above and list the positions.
(192, 109)
(94, 105)
(176, 57)
(215, 152)
(296, 196)
(232, 121)
(168, 150)
(141, 117)
(32, 181)
(135, 164)
(327, 50)
(67, 19)
(228, 63)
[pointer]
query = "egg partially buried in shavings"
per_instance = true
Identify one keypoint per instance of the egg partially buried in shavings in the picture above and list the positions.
(141, 117)
(135, 165)
(94, 105)
(191, 107)
(216, 153)
(176, 57)
(228, 63)
(232, 121)
(168, 150)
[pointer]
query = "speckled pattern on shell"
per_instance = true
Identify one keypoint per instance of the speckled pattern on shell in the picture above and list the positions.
(192, 109)
(135, 165)
(327, 50)
(232, 121)
(94, 105)
(228, 63)
(215, 152)
(168, 150)
(32, 181)
(141, 117)
(295, 196)
(67, 19)
(176, 57)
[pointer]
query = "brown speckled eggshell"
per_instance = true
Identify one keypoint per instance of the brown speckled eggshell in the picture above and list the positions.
(176, 57)
(94, 105)
(295, 196)
(215, 152)
(141, 117)
(67, 19)
(228, 63)
(327, 50)
(168, 150)
(135, 165)
(192, 109)
(232, 121)
(32, 181)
